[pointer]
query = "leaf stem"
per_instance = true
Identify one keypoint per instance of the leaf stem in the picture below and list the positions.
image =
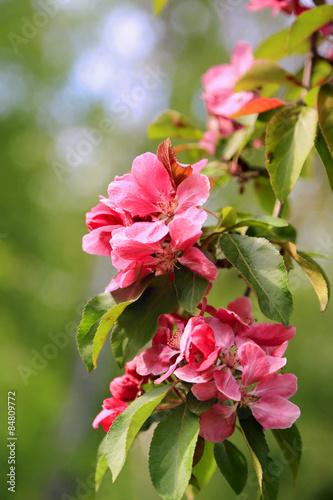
(278, 207)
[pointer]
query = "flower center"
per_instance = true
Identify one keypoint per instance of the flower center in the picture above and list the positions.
(167, 203)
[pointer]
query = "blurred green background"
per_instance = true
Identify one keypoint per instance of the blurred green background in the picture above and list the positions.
(79, 83)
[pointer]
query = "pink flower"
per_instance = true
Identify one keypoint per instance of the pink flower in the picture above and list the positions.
(157, 247)
(219, 82)
(218, 423)
(218, 126)
(164, 355)
(112, 407)
(101, 221)
(288, 6)
(268, 400)
(125, 387)
(149, 189)
(276, 5)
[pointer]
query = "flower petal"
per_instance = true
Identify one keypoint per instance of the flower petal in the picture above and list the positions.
(217, 423)
(275, 412)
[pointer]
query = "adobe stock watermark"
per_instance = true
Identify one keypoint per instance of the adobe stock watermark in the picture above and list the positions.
(275, 468)
(84, 488)
(30, 27)
(224, 6)
(92, 138)
(41, 358)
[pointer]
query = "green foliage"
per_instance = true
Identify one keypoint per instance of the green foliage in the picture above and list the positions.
(313, 271)
(171, 452)
(307, 23)
(324, 138)
(276, 46)
(325, 155)
(196, 406)
(127, 425)
(100, 315)
(171, 123)
(232, 463)
(101, 464)
(204, 470)
(289, 140)
(190, 287)
(290, 443)
(138, 323)
(265, 73)
(262, 267)
(261, 221)
(266, 469)
(92, 313)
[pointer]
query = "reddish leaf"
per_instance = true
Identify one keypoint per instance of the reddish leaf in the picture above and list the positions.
(258, 106)
(167, 156)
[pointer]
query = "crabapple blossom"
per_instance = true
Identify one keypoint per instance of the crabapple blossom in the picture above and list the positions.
(219, 82)
(112, 407)
(152, 219)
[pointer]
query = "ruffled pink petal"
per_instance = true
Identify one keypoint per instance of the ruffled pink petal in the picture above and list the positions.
(227, 385)
(155, 360)
(230, 318)
(205, 391)
(193, 191)
(170, 370)
(242, 306)
(127, 277)
(195, 260)
(277, 384)
(151, 177)
(224, 336)
(183, 232)
(242, 57)
(256, 364)
(97, 242)
(188, 373)
(270, 334)
(147, 232)
(275, 412)
(217, 423)
(125, 195)
(197, 167)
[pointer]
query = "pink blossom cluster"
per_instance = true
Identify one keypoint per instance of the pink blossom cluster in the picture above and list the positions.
(220, 98)
(287, 6)
(224, 355)
(152, 219)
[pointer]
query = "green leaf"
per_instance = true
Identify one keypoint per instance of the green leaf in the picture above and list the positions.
(307, 23)
(265, 73)
(138, 323)
(92, 313)
(190, 287)
(101, 464)
(275, 46)
(94, 328)
(171, 452)
(232, 463)
(313, 271)
(289, 140)
(171, 123)
(127, 425)
(325, 155)
(262, 267)
(324, 139)
(196, 406)
(290, 443)
(262, 221)
(227, 218)
(205, 469)
(266, 470)
(158, 6)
